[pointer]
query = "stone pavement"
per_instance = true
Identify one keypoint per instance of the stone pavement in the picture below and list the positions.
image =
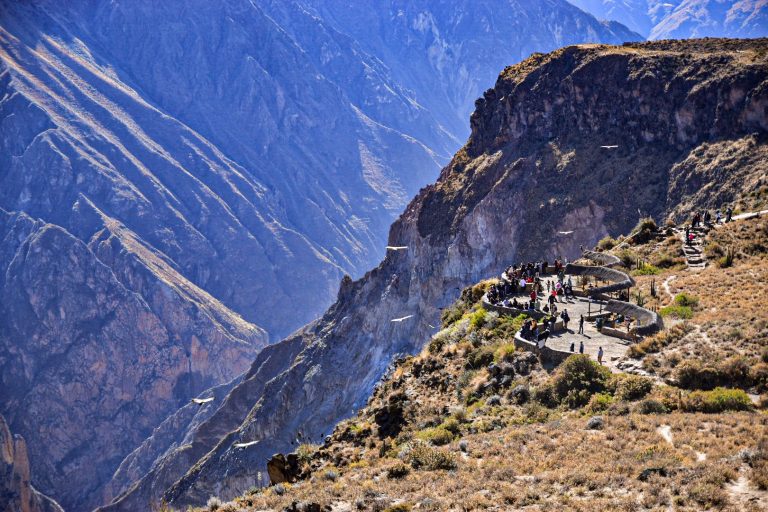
(613, 348)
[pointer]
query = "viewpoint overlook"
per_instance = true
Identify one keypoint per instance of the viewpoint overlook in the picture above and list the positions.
(403, 255)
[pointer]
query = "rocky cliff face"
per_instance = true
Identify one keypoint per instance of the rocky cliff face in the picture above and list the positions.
(95, 350)
(16, 491)
(566, 148)
(666, 19)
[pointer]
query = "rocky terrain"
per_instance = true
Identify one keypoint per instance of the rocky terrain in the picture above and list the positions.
(183, 182)
(681, 19)
(474, 423)
(16, 491)
(639, 123)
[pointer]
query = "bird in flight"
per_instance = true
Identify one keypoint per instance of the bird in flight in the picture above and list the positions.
(201, 401)
(565, 232)
(401, 319)
(245, 445)
(609, 147)
(397, 247)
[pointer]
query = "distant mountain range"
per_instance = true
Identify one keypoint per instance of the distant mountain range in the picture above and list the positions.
(682, 19)
(183, 182)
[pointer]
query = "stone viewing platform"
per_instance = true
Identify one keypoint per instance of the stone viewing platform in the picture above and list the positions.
(589, 298)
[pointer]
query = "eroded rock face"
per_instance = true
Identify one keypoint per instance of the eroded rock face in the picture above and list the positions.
(16, 491)
(533, 168)
(88, 367)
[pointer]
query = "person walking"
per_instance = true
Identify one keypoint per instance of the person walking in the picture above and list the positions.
(581, 347)
(581, 325)
(600, 355)
(728, 214)
(566, 318)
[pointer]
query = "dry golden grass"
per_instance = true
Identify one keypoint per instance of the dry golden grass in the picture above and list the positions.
(557, 466)
(536, 457)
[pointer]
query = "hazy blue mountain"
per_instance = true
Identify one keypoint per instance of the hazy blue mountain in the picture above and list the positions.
(682, 19)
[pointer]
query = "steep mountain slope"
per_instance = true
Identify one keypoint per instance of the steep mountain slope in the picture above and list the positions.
(199, 176)
(79, 346)
(449, 52)
(582, 141)
(16, 492)
(657, 19)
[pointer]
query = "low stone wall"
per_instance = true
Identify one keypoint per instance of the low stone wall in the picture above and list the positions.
(601, 258)
(650, 321)
(619, 280)
(546, 354)
(618, 333)
(533, 313)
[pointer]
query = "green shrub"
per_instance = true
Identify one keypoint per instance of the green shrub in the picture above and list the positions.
(646, 270)
(578, 378)
(480, 357)
(505, 352)
(477, 319)
(451, 425)
(651, 406)
(606, 243)
(717, 400)
(630, 387)
(545, 395)
(422, 456)
(599, 403)
(686, 300)
(437, 436)
(681, 312)
(453, 314)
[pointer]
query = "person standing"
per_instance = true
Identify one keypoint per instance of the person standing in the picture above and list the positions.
(581, 347)
(573, 344)
(566, 318)
(728, 214)
(581, 325)
(600, 355)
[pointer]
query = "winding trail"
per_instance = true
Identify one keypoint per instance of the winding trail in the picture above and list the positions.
(665, 286)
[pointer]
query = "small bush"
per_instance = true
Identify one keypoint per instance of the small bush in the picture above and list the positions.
(651, 406)
(694, 375)
(451, 425)
(480, 357)
(686, 300)
(477, 319)
(305, 452)
(646, 270)
(422, 456)
(718, 400)
(505, 352)
(681, 312)
(599, 403)
(545, 395)
(399, 470)
(437, 436)
(632, 387)
(607, 243)
(578, 378)
(760, 474)
(400, 507)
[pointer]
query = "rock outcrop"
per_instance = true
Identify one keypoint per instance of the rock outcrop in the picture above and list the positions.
(566, 148)
(16, 491)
